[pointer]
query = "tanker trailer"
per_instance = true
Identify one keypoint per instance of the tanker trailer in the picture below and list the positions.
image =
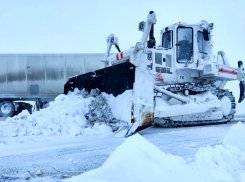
(39, 78)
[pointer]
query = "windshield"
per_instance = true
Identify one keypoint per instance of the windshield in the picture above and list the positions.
(185, 44)
(202, 44)
(167, 42)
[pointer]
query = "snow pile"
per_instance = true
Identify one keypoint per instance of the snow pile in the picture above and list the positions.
(223, 162)
(77, 113)
(139, 160)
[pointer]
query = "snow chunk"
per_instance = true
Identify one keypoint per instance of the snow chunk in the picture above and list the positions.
(121, 105)
(100, 129)
(217, 164)
(223, 162)
(236, 136)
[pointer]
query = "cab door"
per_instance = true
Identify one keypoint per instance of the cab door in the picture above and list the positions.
(184, 45)
(163, 60)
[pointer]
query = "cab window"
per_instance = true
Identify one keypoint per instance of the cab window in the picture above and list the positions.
(167, 40)
(185, 44)
(202, 44)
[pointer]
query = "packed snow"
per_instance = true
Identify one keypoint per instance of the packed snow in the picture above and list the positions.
(120, 105)
(198, 103)
(78, 113)
(139, 160)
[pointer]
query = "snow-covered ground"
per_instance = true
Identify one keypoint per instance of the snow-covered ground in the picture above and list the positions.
(53, 158)
(139, 160)
(240, 115)
(83, 131)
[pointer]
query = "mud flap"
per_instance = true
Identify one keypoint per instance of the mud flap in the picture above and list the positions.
(143, 102)
(242, 89)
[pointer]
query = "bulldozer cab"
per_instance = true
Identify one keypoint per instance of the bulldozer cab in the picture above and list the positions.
(186, 43)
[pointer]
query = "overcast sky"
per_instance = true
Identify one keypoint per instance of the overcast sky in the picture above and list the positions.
(79, 26)
(82, 26)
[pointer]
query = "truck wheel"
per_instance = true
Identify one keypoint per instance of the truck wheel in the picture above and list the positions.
(6, 108)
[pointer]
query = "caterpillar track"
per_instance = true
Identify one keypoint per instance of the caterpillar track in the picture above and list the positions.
(197, 89)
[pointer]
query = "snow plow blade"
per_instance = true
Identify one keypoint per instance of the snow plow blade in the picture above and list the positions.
(116, 80)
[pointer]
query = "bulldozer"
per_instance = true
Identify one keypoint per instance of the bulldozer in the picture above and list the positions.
(179, 82)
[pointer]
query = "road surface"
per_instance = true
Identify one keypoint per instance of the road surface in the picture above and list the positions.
(53, 158)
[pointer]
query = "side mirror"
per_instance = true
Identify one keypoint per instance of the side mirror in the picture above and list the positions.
(205, 34)
(141, 26)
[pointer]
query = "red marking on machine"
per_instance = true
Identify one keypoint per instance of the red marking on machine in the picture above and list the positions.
(221, 70)
(160, 77)
(121, 55)
(149, 55)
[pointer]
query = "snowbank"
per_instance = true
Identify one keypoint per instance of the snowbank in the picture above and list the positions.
(139, 160)
(77, 113)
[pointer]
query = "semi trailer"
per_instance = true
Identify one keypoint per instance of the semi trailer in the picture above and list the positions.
(39, 78)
